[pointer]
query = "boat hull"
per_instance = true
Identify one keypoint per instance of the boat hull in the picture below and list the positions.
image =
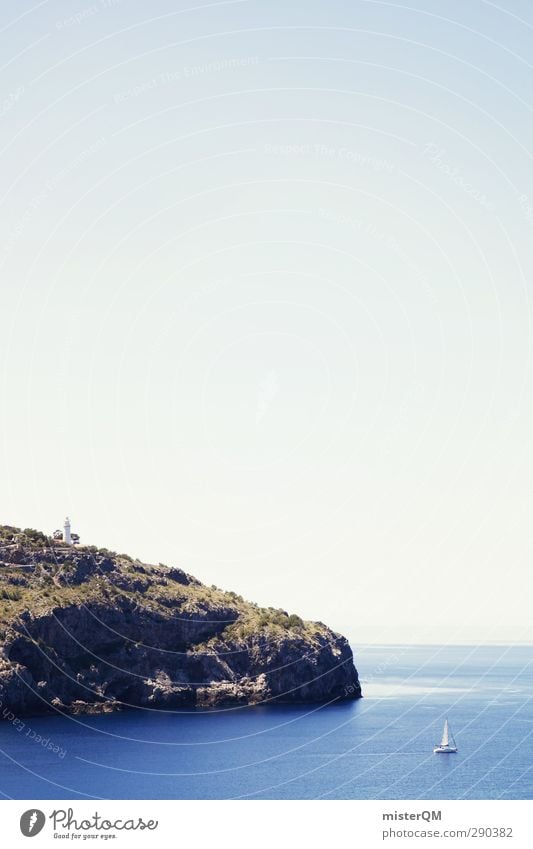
(444, 750)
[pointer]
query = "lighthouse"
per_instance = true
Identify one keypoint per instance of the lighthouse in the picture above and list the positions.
(66, 534)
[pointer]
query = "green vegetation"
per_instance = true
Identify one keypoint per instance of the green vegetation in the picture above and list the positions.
(35, 536)
(47, 575)
(266, 620)
(10, 594)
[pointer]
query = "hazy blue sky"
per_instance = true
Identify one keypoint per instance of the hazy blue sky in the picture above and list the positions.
(266, 273)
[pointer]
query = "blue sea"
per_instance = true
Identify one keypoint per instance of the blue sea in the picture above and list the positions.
(379, 747)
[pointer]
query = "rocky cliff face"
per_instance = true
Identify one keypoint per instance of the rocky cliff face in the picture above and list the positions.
(84, 629)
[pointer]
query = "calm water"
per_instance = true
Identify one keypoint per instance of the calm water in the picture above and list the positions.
(379, 747)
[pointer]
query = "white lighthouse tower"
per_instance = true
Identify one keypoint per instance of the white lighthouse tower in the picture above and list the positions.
(66, 534)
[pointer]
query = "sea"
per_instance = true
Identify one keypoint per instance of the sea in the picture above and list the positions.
(379, 747)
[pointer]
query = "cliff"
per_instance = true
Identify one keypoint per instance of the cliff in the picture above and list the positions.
(83, 629)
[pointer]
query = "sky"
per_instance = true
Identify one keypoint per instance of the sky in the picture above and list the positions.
(265, 279)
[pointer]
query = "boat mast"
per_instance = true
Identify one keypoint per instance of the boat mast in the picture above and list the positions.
(454, 744)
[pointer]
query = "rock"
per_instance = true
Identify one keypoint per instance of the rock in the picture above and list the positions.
(95, 632)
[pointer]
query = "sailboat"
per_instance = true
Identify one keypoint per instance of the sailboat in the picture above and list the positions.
(445, 746)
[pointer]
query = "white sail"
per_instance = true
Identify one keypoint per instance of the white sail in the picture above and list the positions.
(447, 744)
